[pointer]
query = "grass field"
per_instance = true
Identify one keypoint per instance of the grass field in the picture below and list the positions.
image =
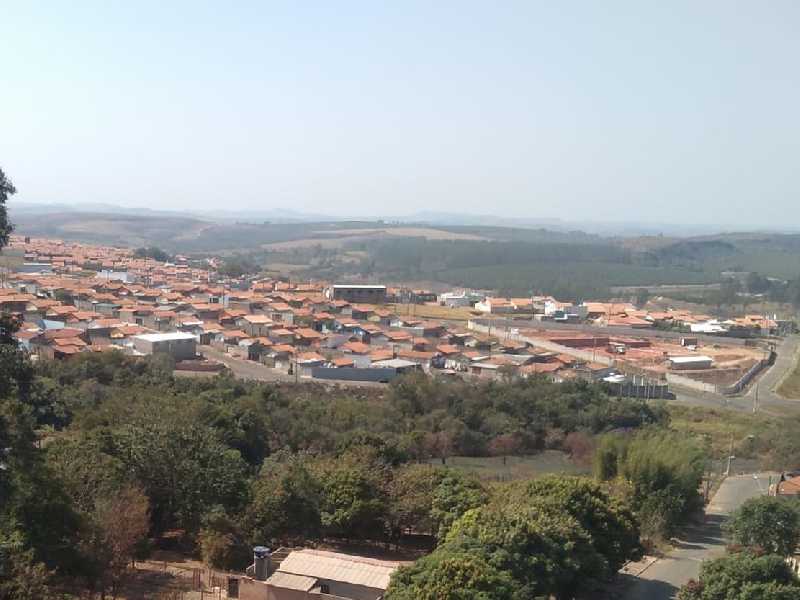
(790, 388)
(491, 468)
(429, 311)
(719, 426)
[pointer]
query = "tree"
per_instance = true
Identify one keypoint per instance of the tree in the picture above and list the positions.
(454, 575)
(743, 576)
(21, 577)
(7, 189)
(440, 445)
(769, 524)
(183, 467)
(454, 495)
(642, 296)
(352, 495)
(505, 445)
(285, 503)
(222, 544)
(546, 551)
(116, 530)
(152, 252)
(411, 494)
(608, 522)
(664, 469)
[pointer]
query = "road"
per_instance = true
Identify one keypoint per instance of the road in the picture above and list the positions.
(248, 369)
(663, 579)
(769, 401)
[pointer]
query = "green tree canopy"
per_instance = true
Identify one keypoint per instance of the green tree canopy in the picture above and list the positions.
(454, 575)
(7, 190)
(769, 524)
(743, 576)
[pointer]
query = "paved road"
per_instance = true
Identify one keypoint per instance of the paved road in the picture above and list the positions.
(663, 579)
(248, 369)
(768, 401)
(244, 369)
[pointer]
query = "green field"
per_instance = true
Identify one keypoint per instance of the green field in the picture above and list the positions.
(491, 468)
(719, 427)
(790, 388)
(600, 275)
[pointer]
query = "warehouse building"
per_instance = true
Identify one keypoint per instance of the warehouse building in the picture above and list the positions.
(179, 345)
(358, 294)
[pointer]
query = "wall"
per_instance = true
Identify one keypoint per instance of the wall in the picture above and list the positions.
(682, 381)
(354, 374)
(613, 330)
(501, 332)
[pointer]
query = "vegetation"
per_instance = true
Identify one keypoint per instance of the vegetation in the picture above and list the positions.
(766, 524)
(153, 252)
(743, 576)
(790, 387)
(556, 536)
(664, 470)
(7, 190)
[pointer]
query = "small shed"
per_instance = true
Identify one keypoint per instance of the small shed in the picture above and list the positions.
(678, 363)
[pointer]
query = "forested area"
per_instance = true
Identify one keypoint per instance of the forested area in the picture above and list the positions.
(227, 464)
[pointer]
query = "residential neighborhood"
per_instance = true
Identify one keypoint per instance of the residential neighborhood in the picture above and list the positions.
(73, 298)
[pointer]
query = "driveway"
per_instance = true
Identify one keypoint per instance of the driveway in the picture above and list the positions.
(663, 579)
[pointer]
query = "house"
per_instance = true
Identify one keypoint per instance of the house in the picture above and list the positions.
(319, 575)
(307, 337)
(785, 486)
(399, 365)
(180, 346)
(255, 325)
(306, 361)
(362, 312)
(281, 336)
(363, 294)
(359, 353)
(459, 299)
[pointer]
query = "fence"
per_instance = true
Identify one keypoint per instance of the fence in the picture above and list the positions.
(748, 377)
(168, 581)
(505, 332)
(692, 384)
(672, 378)
(613, 330)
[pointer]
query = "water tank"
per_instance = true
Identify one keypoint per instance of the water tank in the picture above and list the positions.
(261, 562)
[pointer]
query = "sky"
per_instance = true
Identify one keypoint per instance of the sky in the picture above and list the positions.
(642, 110)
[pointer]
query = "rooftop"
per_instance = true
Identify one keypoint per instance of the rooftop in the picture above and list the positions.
(165, 337)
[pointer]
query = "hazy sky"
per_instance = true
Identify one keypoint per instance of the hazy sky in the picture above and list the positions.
(643, 110)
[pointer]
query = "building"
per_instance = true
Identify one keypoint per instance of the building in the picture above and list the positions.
(315, 574)
(678, 363)
(360, 294)
(180, 346)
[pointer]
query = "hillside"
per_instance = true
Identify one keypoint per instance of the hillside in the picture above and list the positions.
(572, 264)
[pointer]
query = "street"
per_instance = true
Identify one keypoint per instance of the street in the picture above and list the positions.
(769, 401)
(663, 579)
(247, 369)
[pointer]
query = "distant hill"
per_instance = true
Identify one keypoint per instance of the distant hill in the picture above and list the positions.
(110, 229)
(516, 259)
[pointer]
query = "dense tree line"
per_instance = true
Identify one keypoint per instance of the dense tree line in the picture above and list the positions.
(663, 471)
(232, 463)
(556, 536)
(764, 531)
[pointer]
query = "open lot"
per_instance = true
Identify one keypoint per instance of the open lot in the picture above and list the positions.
(491, 468)
(790, 387)
(433, 311)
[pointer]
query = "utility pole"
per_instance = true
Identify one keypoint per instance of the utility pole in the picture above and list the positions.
(730, 458)
(755, 399)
